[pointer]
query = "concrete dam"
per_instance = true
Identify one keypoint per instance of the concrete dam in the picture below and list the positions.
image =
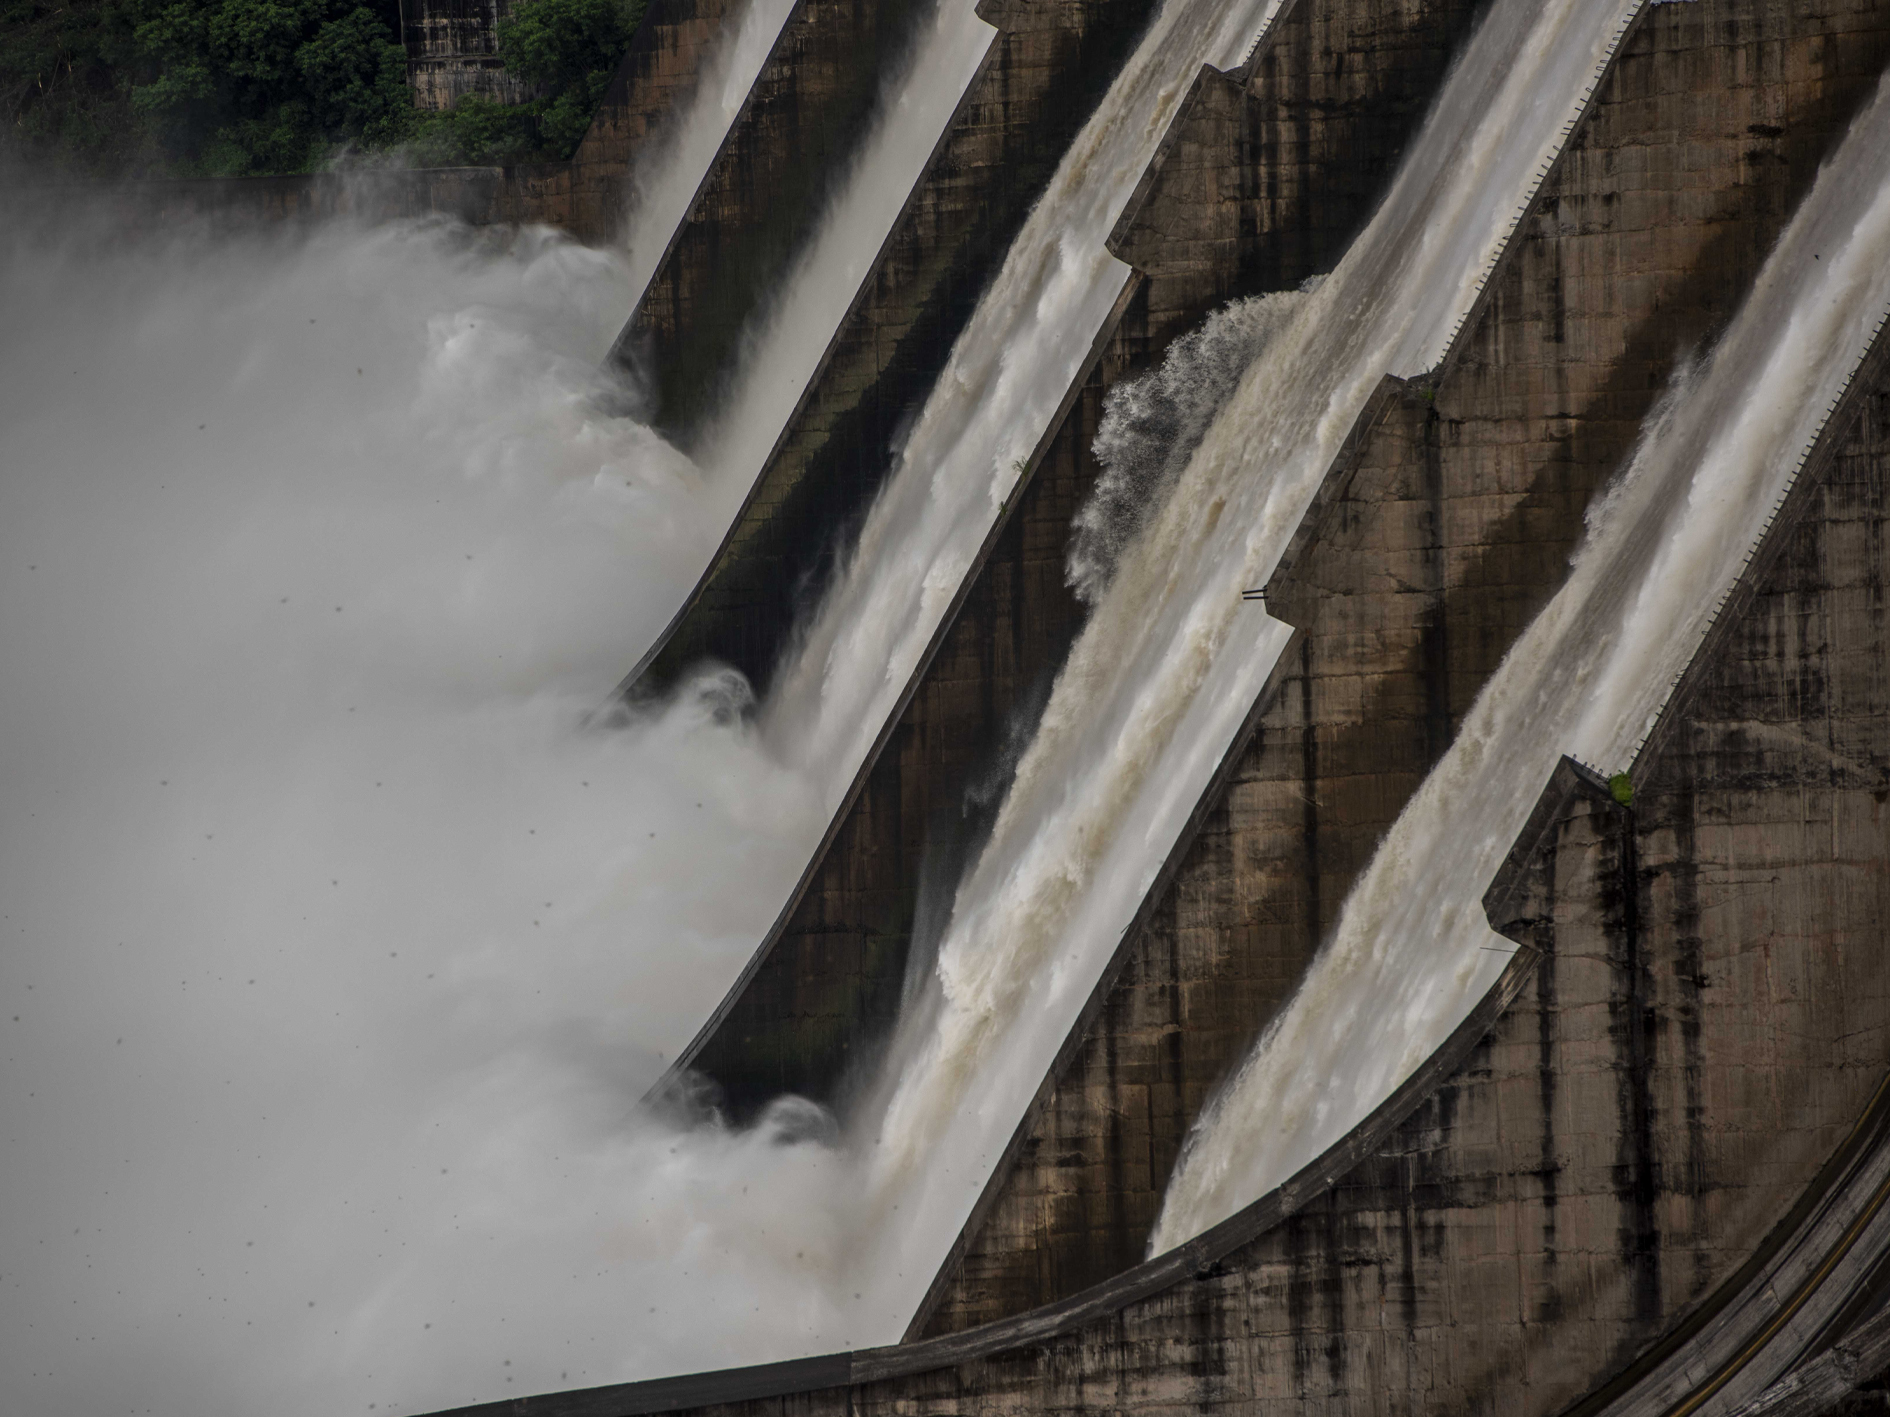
(1325, 559)
(1323, 564)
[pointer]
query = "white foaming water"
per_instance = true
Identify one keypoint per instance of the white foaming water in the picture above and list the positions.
(1008, 372)
(1171, 660)
(334, 953)
(668, 169)
(1407, 962)
(1151, 426)
(788, 337)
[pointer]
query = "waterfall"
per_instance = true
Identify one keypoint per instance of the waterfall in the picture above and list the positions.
(1172, 659)
(670, 170)
(1413, 951)
(1000, 391)
(787, 338)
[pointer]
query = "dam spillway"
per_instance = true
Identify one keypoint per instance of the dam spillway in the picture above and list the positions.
(1043, 1245)
(1442, 536)
(1171, 657)
(1309, 573)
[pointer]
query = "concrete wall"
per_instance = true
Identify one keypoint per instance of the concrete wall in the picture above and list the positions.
(453, 50)
(1687, 1057)
(1453, 531)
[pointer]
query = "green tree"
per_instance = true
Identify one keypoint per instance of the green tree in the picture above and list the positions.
(239, 87)
(245, 86)
(566, 52)
(63, 89)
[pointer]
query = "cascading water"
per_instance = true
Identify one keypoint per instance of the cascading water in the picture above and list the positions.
(1152, 425)
(1002, 386)
(670, 169)
(785, 340)
(1413, 951)
(1171, 660)
(424, 1121)
(385, 940)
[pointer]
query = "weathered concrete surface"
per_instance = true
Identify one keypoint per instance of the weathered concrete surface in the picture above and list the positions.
(827, 988)
(588, 195)
(810, 109)
(1272, 168)
(1702, 1018)
(1048, 67)
(453, 50)
(1453, 531)
(1847, 1379)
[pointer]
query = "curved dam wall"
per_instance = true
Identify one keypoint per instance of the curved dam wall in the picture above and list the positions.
(1331, 95)
(1634, 1139)
(1433, 548)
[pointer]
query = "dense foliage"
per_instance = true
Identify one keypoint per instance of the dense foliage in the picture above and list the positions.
(566, 52)
(233, 87)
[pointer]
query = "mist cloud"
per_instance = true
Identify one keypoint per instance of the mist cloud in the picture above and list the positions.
(337, 952)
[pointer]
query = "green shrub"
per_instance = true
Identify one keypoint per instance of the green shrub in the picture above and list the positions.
(235, 87)
(565, 51)
(63, 89)
(477, 131)
(232, 87)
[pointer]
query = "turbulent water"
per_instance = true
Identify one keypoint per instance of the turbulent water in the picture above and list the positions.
(1408, 959)
(786, 339)
(1001, 389)
(1171, 658)
(337, 946)
(670, 166)
(337, 542)
(1152, 425)
(338, 950)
